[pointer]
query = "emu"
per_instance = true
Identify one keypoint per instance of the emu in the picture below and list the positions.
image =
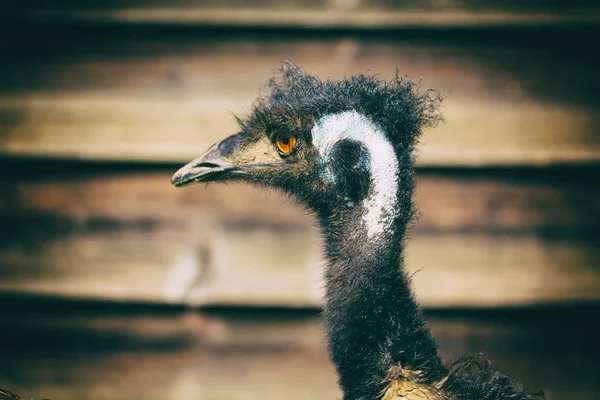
(345, 149)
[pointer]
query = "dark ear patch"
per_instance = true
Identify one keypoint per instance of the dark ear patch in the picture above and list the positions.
(350, 164)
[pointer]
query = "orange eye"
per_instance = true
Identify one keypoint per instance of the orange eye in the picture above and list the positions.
(285, 143)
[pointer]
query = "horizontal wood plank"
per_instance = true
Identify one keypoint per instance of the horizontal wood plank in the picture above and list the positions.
(323, 13)
(484, 239)
(178, 130)
(231, 265)
(59, 355)
(77, 196)
(162, 98)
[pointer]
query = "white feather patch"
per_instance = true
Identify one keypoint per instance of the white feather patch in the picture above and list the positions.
(380, 205)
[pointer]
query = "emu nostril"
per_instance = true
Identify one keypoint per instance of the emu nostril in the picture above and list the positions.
(207, 165)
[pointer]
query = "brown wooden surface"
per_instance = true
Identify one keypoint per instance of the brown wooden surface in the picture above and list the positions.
(547, 201)
(151, 95)
(75, 353)
(316, 13)
(156, 85)
(484, 238)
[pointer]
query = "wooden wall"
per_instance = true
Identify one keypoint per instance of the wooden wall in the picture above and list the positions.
(100, 102)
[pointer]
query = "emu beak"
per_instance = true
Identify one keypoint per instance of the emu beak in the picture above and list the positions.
(211, 166)
(233, 158)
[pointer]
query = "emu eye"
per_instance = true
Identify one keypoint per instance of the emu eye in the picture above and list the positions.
(285, 143)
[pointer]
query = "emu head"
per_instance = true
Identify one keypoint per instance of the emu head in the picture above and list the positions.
(335, 145)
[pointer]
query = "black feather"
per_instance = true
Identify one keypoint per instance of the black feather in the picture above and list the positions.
(472, 377)
(372, 321)
(375, 329)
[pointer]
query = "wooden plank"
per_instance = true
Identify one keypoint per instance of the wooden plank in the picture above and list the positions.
(558, 201)
(330, 14)
(498, 201)
(193, 355)
(164, 98)
(243, 266)
(133, 237)
(162, 130)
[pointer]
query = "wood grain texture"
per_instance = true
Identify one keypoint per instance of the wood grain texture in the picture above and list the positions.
(154, 96)
(494, 239)
(113, 96)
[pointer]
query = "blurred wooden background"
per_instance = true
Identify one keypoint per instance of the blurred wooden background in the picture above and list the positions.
(101, 101)
(101, 258)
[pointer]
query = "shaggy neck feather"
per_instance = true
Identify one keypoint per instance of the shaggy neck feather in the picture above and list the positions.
(373, 322)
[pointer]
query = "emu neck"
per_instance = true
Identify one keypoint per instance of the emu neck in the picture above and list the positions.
(372, 320)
